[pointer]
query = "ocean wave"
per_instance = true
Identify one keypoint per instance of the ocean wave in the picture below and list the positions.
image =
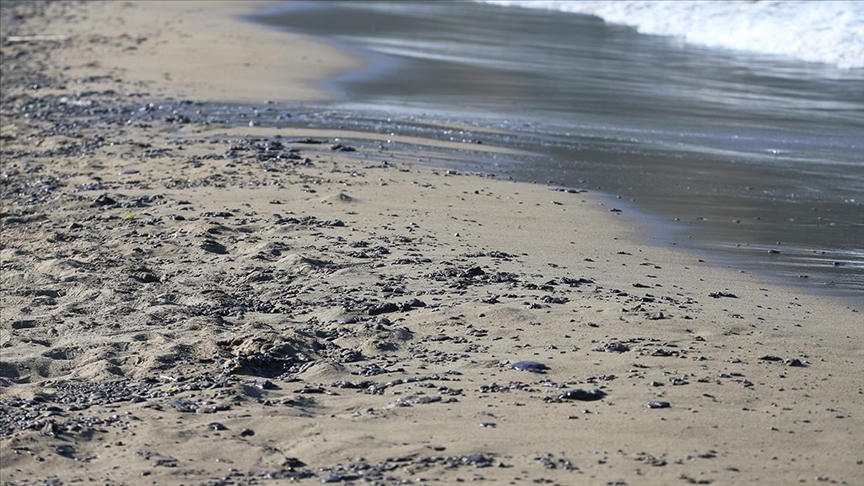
(829, 32)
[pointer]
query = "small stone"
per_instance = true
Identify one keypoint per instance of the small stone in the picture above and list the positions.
(342, 148)
(658, 405)
(414, 303)
(382, 309)
(183, 405)
(717, 295)
(213, 246)
(478, 460)
(333, 478)
(616, 348)
(583, 395)
(293, 462)
(531, 366)
(104, 200)
(266, 385)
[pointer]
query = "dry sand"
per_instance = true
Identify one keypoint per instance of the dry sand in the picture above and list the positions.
(191, 304)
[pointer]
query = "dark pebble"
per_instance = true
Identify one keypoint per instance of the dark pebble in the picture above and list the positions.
(658, 405)
(382, 309)
(616, 348)
(338, 478)
(478, 460)
(184, 405)
(414, 303)
(293, 462)
(717, 295)
(532, 366)
(66, 451)
(583, 395)
(217, 214)
(104, 200)
(212, 246)
(342, 148)
(266, 385)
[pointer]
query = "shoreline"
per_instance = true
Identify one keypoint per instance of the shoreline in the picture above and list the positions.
(789, 218)
(203, 303)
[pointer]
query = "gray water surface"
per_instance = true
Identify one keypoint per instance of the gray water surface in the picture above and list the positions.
(752, 158)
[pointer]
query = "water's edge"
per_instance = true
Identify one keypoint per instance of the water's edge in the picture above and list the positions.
(797, 265)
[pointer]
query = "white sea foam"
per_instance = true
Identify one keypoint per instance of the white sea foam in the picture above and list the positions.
(818, 31)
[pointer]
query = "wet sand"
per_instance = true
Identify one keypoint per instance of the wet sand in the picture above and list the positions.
(187, 301)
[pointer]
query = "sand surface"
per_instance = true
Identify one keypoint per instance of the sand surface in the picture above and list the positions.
(189, 303)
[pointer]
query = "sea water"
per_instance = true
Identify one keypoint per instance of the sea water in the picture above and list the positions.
(753, 157)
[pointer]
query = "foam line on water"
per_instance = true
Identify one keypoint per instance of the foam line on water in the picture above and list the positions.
(829, 32)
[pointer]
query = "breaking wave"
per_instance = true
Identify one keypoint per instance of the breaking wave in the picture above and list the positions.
(829, 32)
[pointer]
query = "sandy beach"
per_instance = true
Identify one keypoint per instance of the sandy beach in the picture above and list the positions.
(187, 302)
